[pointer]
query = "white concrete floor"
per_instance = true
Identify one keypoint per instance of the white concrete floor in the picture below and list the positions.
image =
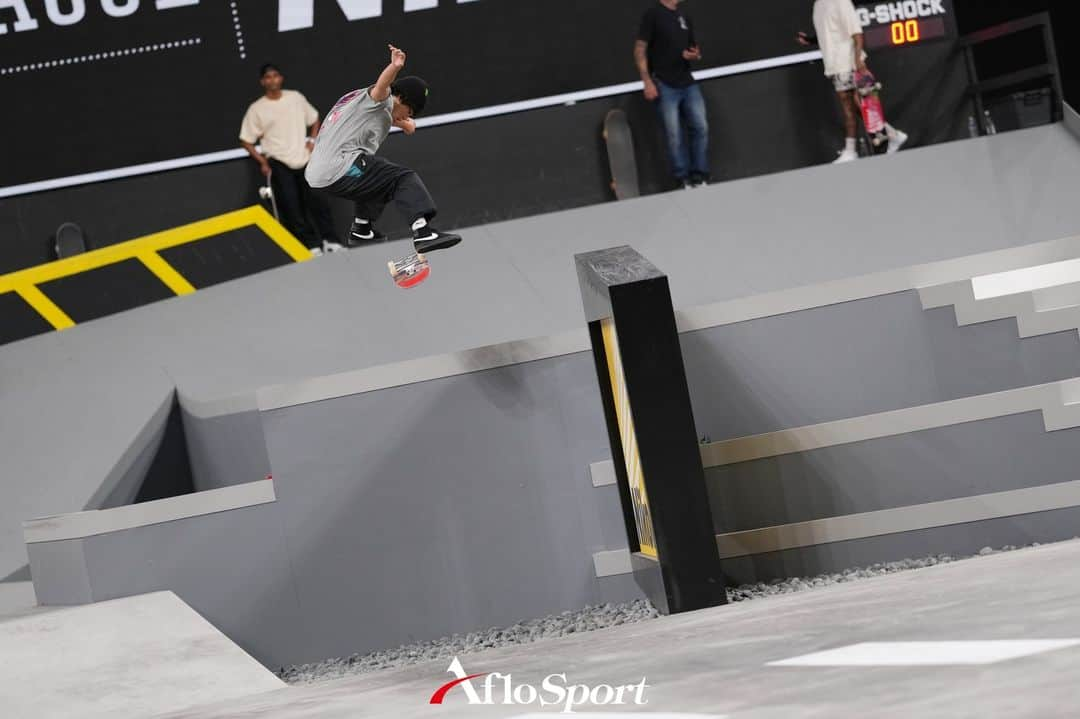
(17, 599)
(132, 657)
(715, 662)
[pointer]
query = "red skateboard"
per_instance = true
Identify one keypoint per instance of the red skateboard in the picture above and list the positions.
(873, 112)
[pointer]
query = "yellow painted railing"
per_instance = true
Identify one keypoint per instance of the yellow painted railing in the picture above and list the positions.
(146, 250)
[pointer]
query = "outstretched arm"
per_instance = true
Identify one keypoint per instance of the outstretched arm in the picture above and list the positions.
(381, 89)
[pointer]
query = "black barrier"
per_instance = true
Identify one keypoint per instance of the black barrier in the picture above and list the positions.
(651, 429)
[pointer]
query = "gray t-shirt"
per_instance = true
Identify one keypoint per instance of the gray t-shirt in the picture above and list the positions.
(356, 124)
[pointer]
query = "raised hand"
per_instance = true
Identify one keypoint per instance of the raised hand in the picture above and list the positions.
(397, 57)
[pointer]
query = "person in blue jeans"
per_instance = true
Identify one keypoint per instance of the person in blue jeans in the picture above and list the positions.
(663, 52)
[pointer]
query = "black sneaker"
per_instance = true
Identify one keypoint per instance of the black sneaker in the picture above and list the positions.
(362, 232)
(428, 239)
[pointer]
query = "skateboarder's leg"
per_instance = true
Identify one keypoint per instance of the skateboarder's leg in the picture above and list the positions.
(365, 213)
(287, 194)
(406, 190)
(411, 196)
(697, 125)
(668, 105)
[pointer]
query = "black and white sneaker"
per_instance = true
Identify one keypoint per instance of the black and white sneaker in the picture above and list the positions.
(428, 239)
(363, 231)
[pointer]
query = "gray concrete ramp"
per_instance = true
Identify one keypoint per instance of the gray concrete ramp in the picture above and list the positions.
(133, 657)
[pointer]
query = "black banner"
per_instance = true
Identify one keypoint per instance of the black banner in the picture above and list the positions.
(101, 84)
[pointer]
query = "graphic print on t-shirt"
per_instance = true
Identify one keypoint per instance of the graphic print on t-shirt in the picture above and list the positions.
(335, 111)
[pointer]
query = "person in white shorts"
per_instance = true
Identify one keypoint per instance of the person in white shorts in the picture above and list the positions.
(840, 35)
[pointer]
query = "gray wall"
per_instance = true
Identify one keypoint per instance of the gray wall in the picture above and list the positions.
(72, 402)
(446, 506)
(858, 358)
(82, 438)
(225, 442)
(404, 514)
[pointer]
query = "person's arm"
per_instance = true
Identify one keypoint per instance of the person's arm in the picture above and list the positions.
(264, 166)
(250, 132)
(641, 55)
(641, 49)
(381, 89)
(692, 53)
(855, 28)
(860, 54)
(408, 125)
(311, 121)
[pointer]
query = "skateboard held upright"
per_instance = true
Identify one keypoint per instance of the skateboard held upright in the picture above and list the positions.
(266, 194)
(873, 112)
(620, 149)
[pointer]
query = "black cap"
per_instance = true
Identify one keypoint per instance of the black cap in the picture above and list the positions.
(413, 92)
(267, 67)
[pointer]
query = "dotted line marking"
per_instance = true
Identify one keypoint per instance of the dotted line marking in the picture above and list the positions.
(239, 30)
(99, 56)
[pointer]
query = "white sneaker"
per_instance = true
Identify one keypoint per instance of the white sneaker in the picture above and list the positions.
(846, 155)
(896, 141)
(315, 251)
(328, 246)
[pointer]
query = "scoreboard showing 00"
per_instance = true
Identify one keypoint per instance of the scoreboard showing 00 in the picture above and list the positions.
(903, 23)
(904, 32)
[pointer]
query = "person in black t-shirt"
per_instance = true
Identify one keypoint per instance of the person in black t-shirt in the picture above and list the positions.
(663, 52)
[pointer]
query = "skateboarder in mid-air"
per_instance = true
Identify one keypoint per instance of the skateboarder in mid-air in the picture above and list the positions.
(344, 163)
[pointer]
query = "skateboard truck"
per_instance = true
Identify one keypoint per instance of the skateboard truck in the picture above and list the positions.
(409, 271)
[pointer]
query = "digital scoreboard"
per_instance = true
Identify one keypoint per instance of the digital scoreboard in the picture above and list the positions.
(905, 23)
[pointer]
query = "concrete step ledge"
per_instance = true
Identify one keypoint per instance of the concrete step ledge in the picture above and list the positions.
(79, 525)
(897, 520)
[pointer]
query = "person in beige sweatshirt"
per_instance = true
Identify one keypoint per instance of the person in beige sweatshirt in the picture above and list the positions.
(283, 123)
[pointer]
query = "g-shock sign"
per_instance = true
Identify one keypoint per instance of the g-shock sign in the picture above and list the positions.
(904, 22)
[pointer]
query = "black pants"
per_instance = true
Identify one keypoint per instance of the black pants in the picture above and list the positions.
(296, 200)
(372, 182)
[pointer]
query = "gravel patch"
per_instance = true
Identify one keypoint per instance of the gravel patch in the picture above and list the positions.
(586, 620)
(558, 625)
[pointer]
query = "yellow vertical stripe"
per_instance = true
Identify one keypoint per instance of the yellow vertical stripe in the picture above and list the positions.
(166, 273)
(628, 435)
(45, 307)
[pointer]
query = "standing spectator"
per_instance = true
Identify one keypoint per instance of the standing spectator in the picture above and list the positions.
(285, 123)
(663, 52)
(840, 35)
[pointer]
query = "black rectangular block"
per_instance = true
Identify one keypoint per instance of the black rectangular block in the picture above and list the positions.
(651, 429)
